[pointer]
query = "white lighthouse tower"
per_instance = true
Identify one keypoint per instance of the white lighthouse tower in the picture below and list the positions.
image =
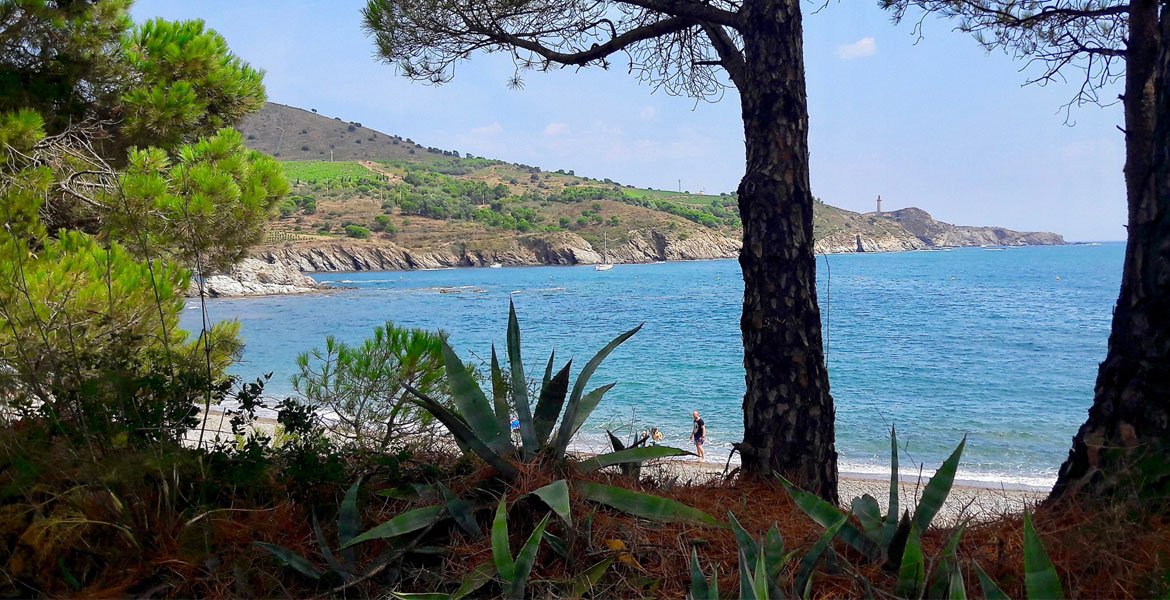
(879, 205)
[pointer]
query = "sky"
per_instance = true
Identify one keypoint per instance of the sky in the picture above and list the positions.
(935, 123)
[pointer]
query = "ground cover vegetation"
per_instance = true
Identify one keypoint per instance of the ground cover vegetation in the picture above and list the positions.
(395, 470)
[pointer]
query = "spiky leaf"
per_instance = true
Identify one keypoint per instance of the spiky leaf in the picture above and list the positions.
(912, 573)
(525, 559)
(292, 559)
(570, 423)
(500, 395)
(556, 496)
(895, 481)
(473, 406)
(1040, 577)
(552, 399)
(326, 552)
(462, 511)
(407, 522)
(475, 580)
(810, 560)
(699, 588)
(589, 579)
(991, 590)
(528, 436)
(628, 455)
(349, 520)
(870, 514)
(826, 514)
(642, 505)
(937, 489)
(501, 553)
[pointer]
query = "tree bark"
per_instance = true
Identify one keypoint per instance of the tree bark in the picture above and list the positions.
(787, 410)
(1123, 449)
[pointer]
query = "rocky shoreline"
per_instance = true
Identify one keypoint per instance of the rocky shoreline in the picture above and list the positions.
(281, 269)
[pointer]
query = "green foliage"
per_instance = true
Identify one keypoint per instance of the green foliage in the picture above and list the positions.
(478, 426)
(363, 387)
(357, 232)
(186, 84)
(341, 562)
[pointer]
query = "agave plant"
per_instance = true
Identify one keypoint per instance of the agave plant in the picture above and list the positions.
(483, 426)
(884, 538)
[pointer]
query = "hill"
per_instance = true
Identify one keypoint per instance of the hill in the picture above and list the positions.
(366, 199)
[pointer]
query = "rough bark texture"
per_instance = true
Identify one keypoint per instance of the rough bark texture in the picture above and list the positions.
(1124, 446)
(788, 412)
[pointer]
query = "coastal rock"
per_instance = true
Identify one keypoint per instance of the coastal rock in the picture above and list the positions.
(937, 233)
(254, 277)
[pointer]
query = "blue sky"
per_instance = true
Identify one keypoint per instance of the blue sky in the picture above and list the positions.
(941, 124)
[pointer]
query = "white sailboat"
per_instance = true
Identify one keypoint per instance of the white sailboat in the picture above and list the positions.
(604, 266)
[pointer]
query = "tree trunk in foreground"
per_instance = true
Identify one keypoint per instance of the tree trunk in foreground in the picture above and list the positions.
(787, 410)
(1124, 447)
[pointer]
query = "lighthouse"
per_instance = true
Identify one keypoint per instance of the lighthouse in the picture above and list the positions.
(879, 205)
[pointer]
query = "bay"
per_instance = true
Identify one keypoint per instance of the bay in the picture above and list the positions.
(1001, 345)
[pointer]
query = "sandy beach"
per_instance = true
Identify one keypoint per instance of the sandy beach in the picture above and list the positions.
(966, 501)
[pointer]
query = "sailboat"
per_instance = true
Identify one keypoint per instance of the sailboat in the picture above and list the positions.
(604, 266)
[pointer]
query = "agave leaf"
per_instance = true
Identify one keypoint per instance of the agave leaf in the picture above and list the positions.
(747, 583)
(898, 543)
(419, 596)
(629, 455)
(462, 432)
(699, 588)
(826, 514)
(937, 489)
(1040, 577)
(615, 441)
(870, 514)
(991, 590)
(570, 422)
(500, 396)
(947, 570)
(956, 590)
(526, 558)
(912, 573)
(462, 511)
(349, 521)
(556, 543)
(528, 437)
(582, 408)
(892, 515)
(588, 580)
(745, 541)
(292, 559)
(556, 496)
(473, 405)
(407, 522)
(326, 552)
(501, 553)
(552, 399)
(775, 559)
(810, 560)
(760, 578)
(642, 505)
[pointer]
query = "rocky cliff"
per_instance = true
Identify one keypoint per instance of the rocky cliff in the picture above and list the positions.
(278, 269)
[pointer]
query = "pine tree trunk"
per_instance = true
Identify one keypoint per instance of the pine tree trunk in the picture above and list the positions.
(787, 410)
(1124, 446)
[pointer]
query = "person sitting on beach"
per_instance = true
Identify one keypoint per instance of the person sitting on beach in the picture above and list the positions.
(655, 436)
(699, 434)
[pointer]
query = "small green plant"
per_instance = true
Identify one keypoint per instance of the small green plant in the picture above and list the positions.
(482, 426)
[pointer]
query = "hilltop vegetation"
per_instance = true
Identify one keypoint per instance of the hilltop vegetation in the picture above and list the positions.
(390, 188)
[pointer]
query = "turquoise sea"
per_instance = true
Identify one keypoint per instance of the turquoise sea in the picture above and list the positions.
(1001, 345)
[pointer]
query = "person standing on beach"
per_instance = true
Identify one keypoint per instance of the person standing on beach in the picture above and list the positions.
(699, 433)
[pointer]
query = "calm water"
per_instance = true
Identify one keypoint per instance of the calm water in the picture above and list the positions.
(1002, 346)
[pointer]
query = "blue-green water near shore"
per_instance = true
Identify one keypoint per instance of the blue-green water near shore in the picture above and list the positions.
(1000, 345)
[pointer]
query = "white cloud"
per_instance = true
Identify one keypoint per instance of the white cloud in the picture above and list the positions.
(648, 113)
(860, 48)
(556, 129)
(492, 129)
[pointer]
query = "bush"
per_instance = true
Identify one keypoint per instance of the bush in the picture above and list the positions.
(357, 232)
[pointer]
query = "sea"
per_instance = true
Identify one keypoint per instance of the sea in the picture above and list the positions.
(1000, 345)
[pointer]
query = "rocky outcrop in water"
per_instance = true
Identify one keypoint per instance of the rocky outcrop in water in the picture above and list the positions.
(254, 277)
(937, 233)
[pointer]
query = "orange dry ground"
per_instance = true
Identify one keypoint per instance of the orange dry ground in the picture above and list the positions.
(1114, 553)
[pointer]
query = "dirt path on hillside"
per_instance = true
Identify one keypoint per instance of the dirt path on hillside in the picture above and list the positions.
(379, 169)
